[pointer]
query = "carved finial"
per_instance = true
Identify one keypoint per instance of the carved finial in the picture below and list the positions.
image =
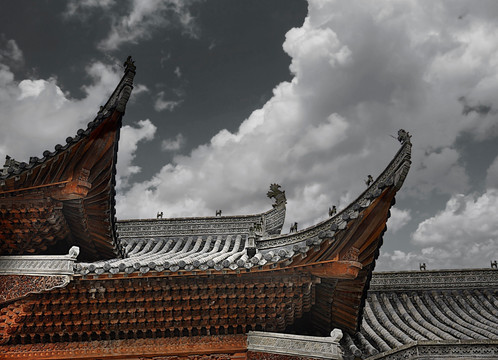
(74, 252)
(129, 64)
(369, 180)
(336, 335)
(403, 136)
(277, 194)
(494, 264)
(218, 212)
(422, 267)
(332, 211)
(293, 228)
(159, 215)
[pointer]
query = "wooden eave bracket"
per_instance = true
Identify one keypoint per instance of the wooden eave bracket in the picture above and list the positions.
(342, 269)
(76, 188)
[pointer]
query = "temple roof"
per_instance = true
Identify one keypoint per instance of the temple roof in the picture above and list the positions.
(221, 243)
(67, 195)
(436, 310)
(318, 275)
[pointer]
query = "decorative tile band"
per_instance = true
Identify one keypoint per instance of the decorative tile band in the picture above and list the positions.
(296, 345)
(427, 350)
(441, 279)
(39, 264)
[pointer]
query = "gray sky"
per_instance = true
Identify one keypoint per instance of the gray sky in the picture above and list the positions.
(231, 96)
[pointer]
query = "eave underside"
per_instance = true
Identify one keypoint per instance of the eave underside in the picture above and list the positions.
(66, 200)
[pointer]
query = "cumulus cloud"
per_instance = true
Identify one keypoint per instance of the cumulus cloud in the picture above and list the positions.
(38, 108)
(464, 233)
(440, 170)
(173, 144)
(162, 103)
(57, 114)
(361, 71)
(128, 143)
(145, 17)
(81, 7)
(398, 259)
(10, 53)
(178, 72)
(398, 219)
(492, 175)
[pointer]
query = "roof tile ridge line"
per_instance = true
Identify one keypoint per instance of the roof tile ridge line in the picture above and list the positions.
(412, 321)
(175, 219)
(182, 256)
(204, 251)
(392, 326)
(401, 160)
(235, 249)
(186, 250)
(478, 306)
(486, 302)
(365, 344)
(165, 248)
(469, 319)
(437, 318)
(152, 251)
(474, 314)
(397, 319)
(123, 88)
(215, 250)
(381, 328)
(417, 315)
(457, 322)
(445, 319)
(130, 261)
(377, 339)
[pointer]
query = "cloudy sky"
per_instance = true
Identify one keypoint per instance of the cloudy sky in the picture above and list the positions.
(231, 96)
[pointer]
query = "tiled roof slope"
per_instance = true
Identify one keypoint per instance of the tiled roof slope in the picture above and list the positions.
(408, 314)
(221, 243)
(67, 195)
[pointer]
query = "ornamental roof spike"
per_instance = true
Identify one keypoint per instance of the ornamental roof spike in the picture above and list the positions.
(277, 194)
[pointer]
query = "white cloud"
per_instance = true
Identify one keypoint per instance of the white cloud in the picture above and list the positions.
(10, 52)
(492, 175)
(397, 260)
(57, 115)
(464, 218)
(398, 219)
(361, 72)
(80, 7)
(465, 233)
(178, 72)
(173, 144)
(162, 103)
(128, 143)
(144, 17)
(439, 170)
